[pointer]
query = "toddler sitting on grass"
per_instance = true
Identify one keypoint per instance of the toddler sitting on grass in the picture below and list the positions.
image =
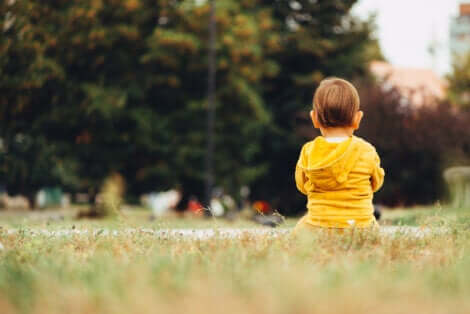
(338, 171)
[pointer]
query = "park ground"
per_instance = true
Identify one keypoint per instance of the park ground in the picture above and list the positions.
(354, 272)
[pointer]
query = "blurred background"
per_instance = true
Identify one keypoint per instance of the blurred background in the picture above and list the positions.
(172, 104)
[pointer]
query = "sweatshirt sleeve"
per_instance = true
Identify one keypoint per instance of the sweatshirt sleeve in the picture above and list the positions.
(377, 177)
(300, 177)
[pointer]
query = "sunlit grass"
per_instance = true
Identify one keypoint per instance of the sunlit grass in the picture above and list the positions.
(353, 272)
(421, 215)
(138, 217)
(129, 218)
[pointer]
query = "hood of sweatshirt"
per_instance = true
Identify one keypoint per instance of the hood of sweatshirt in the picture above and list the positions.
(327, 165)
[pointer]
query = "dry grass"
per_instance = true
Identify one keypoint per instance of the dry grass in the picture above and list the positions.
(318, 273)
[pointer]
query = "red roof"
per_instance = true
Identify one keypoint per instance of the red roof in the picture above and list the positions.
(419, 86)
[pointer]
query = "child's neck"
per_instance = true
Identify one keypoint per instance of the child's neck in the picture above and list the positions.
(337, 132)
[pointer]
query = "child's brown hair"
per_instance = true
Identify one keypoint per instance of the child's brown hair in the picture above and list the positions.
(335, 103)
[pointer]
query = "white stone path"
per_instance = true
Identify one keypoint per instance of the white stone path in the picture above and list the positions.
(204, 234)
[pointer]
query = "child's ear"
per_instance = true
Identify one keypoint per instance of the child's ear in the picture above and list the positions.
(314, 118)
(358, 119)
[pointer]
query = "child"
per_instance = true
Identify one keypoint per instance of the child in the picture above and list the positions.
(338, 171)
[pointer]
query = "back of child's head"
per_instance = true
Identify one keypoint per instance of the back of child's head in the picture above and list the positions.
(335, 103)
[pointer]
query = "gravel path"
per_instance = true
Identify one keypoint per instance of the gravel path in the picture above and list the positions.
(203, 234)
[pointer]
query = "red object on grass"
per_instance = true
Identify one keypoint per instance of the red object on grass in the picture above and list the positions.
(195, 207)
(262, 207)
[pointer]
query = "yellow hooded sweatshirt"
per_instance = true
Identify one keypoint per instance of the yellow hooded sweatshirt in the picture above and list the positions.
(339, 180)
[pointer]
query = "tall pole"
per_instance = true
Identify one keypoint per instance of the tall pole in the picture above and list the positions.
(211, 104)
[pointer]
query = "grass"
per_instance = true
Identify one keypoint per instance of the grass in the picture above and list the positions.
(315, 273)
(421, 216)
(129, 218)
(141, 218)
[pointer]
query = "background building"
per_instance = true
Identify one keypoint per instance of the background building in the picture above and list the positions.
(460, 32)
(418, 86)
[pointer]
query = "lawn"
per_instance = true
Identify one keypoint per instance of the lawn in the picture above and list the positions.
(320, 273)
(138, 217)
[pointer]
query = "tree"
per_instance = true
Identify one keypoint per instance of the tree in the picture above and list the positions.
(28, 160)
(459, 82)
(29, 164)
(101, 87)
(415, 144)
(317, 39)
(179, 47)
(71, 82)
(116, 86)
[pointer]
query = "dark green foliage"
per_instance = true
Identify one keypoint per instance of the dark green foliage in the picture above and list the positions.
(120, 86)
(29, 163)
(318, 39)
(459, 82)
(416, 144)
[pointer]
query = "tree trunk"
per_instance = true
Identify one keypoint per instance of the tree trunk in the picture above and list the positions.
(458, 181)
(31, 200)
